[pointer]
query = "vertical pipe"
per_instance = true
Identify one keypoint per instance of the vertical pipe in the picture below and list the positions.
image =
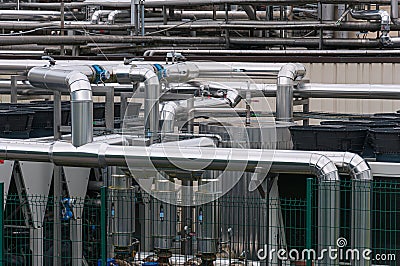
(361, 218)
(1, 224)
(328, 15)
(57, 182)
(142, 19)
(109, 109)
(328, 210)
(137, 22)
(341, 9)
(62, 26)
(57, 213)
(14, 89)
(309, 218)
(190, 106)
(132, 17)
(103, 218)
(57, 115)
(394, 5)
(284, 94)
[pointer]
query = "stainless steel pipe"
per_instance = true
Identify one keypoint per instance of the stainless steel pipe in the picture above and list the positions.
(288, 74)
(78, 85)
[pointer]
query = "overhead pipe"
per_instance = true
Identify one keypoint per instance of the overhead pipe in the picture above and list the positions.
(78, 85)
(233, 24)
(160, 3)
(394, 8)
(228, 159)
(287, 76)
(178, 73)
(29, 14)
(381, 15)
(171, 109)
(114, 14)
(290, 42)
(361, 202)
(98, 14)
(328, 15)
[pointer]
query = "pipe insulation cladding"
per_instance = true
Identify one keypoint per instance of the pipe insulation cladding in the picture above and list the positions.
(78, 85)
(287, 76)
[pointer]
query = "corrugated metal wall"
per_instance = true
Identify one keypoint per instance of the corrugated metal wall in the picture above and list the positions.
(353, 73)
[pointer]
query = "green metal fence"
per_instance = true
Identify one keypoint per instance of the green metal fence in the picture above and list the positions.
(241, 225)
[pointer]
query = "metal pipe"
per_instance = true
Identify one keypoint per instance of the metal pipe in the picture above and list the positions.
(160, 3)
(98, 14)
(228, 159)
(131, 74)
(317, 90)
(394, 8)
(361, 203)
(157, 3)
(238, 25)
(381, 15)
(29, 14)
(178, 73)
(114, 14)
(171, 109)
(99, 155)
(288, 74)
(290, 42)
(360, 91)
(78, 85)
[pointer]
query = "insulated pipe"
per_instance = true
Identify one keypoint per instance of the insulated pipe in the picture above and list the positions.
(101, 155)
(319, 90)
(381, 15)
(290, 42)
(78, 85)
(98, 14)
(288, 74)
(126, 75)
(114, 14)
(361, 203)
(359, 91)
(171, 109)
(394, 8)
(29, 14)
(178, 72)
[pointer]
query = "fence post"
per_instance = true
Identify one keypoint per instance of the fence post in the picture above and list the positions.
(103, 225)
(309, 217)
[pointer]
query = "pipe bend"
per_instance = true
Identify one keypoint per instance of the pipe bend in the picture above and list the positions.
(291, 72)
(112, 15)
(324, 168)
(357, 167)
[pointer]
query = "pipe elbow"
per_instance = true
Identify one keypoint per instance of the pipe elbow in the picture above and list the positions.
(95, 17)
(291, 72)
(111, 17)
(357, 167)
(168, 111)
(324, 168)
(79, 86)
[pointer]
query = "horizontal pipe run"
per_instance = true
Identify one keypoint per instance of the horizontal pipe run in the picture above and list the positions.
(99, 155)
(238, 25)
(346, 91)
(189, 51)
(248, 41)
(158, 3)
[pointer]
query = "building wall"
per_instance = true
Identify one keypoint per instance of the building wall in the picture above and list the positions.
(353, 73)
